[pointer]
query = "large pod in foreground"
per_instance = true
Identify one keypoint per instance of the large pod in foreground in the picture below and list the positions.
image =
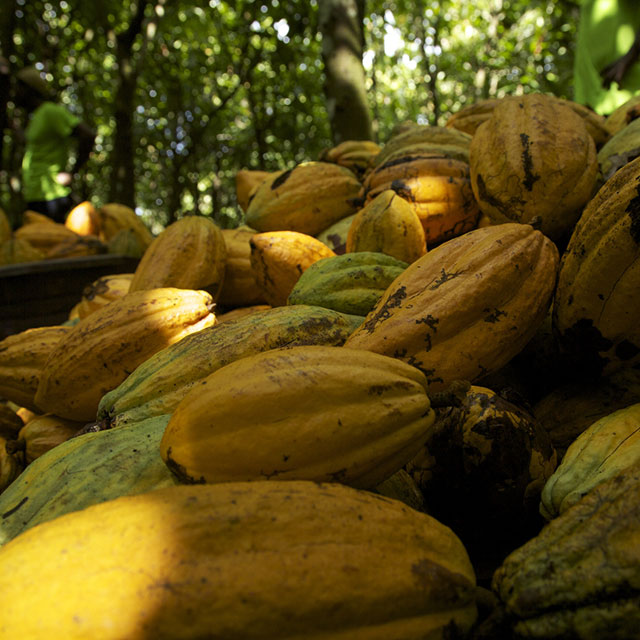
(258, 561)
(304, 413)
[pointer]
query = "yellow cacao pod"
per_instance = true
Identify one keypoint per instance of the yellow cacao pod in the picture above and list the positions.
(278, 259)
(207, 559)
(468, 306)
(314, 412)
(388, 224)
(189, 254)
(22, 358)
(307, 199)
(102, 349)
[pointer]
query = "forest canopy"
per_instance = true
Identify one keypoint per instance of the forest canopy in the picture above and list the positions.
(184, 94)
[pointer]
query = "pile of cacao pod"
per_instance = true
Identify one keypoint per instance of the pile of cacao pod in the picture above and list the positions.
(401, 401)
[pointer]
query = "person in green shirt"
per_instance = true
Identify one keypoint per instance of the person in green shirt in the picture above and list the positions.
(606, 69)
(50, 137)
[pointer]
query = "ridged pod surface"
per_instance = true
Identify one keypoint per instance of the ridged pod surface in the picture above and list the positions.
(239, 287)
(468, 306)
(247, 181)
(10, 467)
(351, 283)
(304, 413)
(388, 224)
(307, 199)
(18, 250)
(607, 447)
(84, 471)
(623, 147)
(469, 118)
(189, 254)
(486, 454)
(534, 157)
(162, 381)
(356, 155)
(102, 291)
(438, 188)
(99, 352)
(596, 306)
(115, 216)
(41, 434)
(45, 235)
(279, 258)
(22, 358)
(208, 558)
(418, 138)
(580, 576)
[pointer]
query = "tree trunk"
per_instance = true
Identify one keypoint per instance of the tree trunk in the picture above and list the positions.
(340, 23)
(122, 186)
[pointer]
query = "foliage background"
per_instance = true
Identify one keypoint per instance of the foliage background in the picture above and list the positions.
(183, 94)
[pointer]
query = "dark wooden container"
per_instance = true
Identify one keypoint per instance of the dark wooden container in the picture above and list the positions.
(37, 294)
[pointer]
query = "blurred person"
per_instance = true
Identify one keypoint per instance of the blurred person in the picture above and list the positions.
(606, 69)
(50, 136)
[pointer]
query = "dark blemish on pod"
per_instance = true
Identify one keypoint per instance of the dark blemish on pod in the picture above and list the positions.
(527, 163)
(281, 179)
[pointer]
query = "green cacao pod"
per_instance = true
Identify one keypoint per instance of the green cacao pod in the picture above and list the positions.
(580, 576)
(351, 283)
(606, 448)
(83, 471)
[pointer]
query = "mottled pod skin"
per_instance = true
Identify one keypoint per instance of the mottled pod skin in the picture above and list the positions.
(596, 306)
(307, 199)
(101, 350)
(259, 560)
(468, 306)
(302, 413)
(351, 283)
(534, 157)
(161, 382)
(580, 576)
(388, 224)
(22, 358)
(436, 185)
(486, 462)
(189, 254)
(84, 471)
(279, 258)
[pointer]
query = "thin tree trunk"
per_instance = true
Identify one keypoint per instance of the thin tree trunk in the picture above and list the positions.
(122, 187)
(429, 62)
(340, 23)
